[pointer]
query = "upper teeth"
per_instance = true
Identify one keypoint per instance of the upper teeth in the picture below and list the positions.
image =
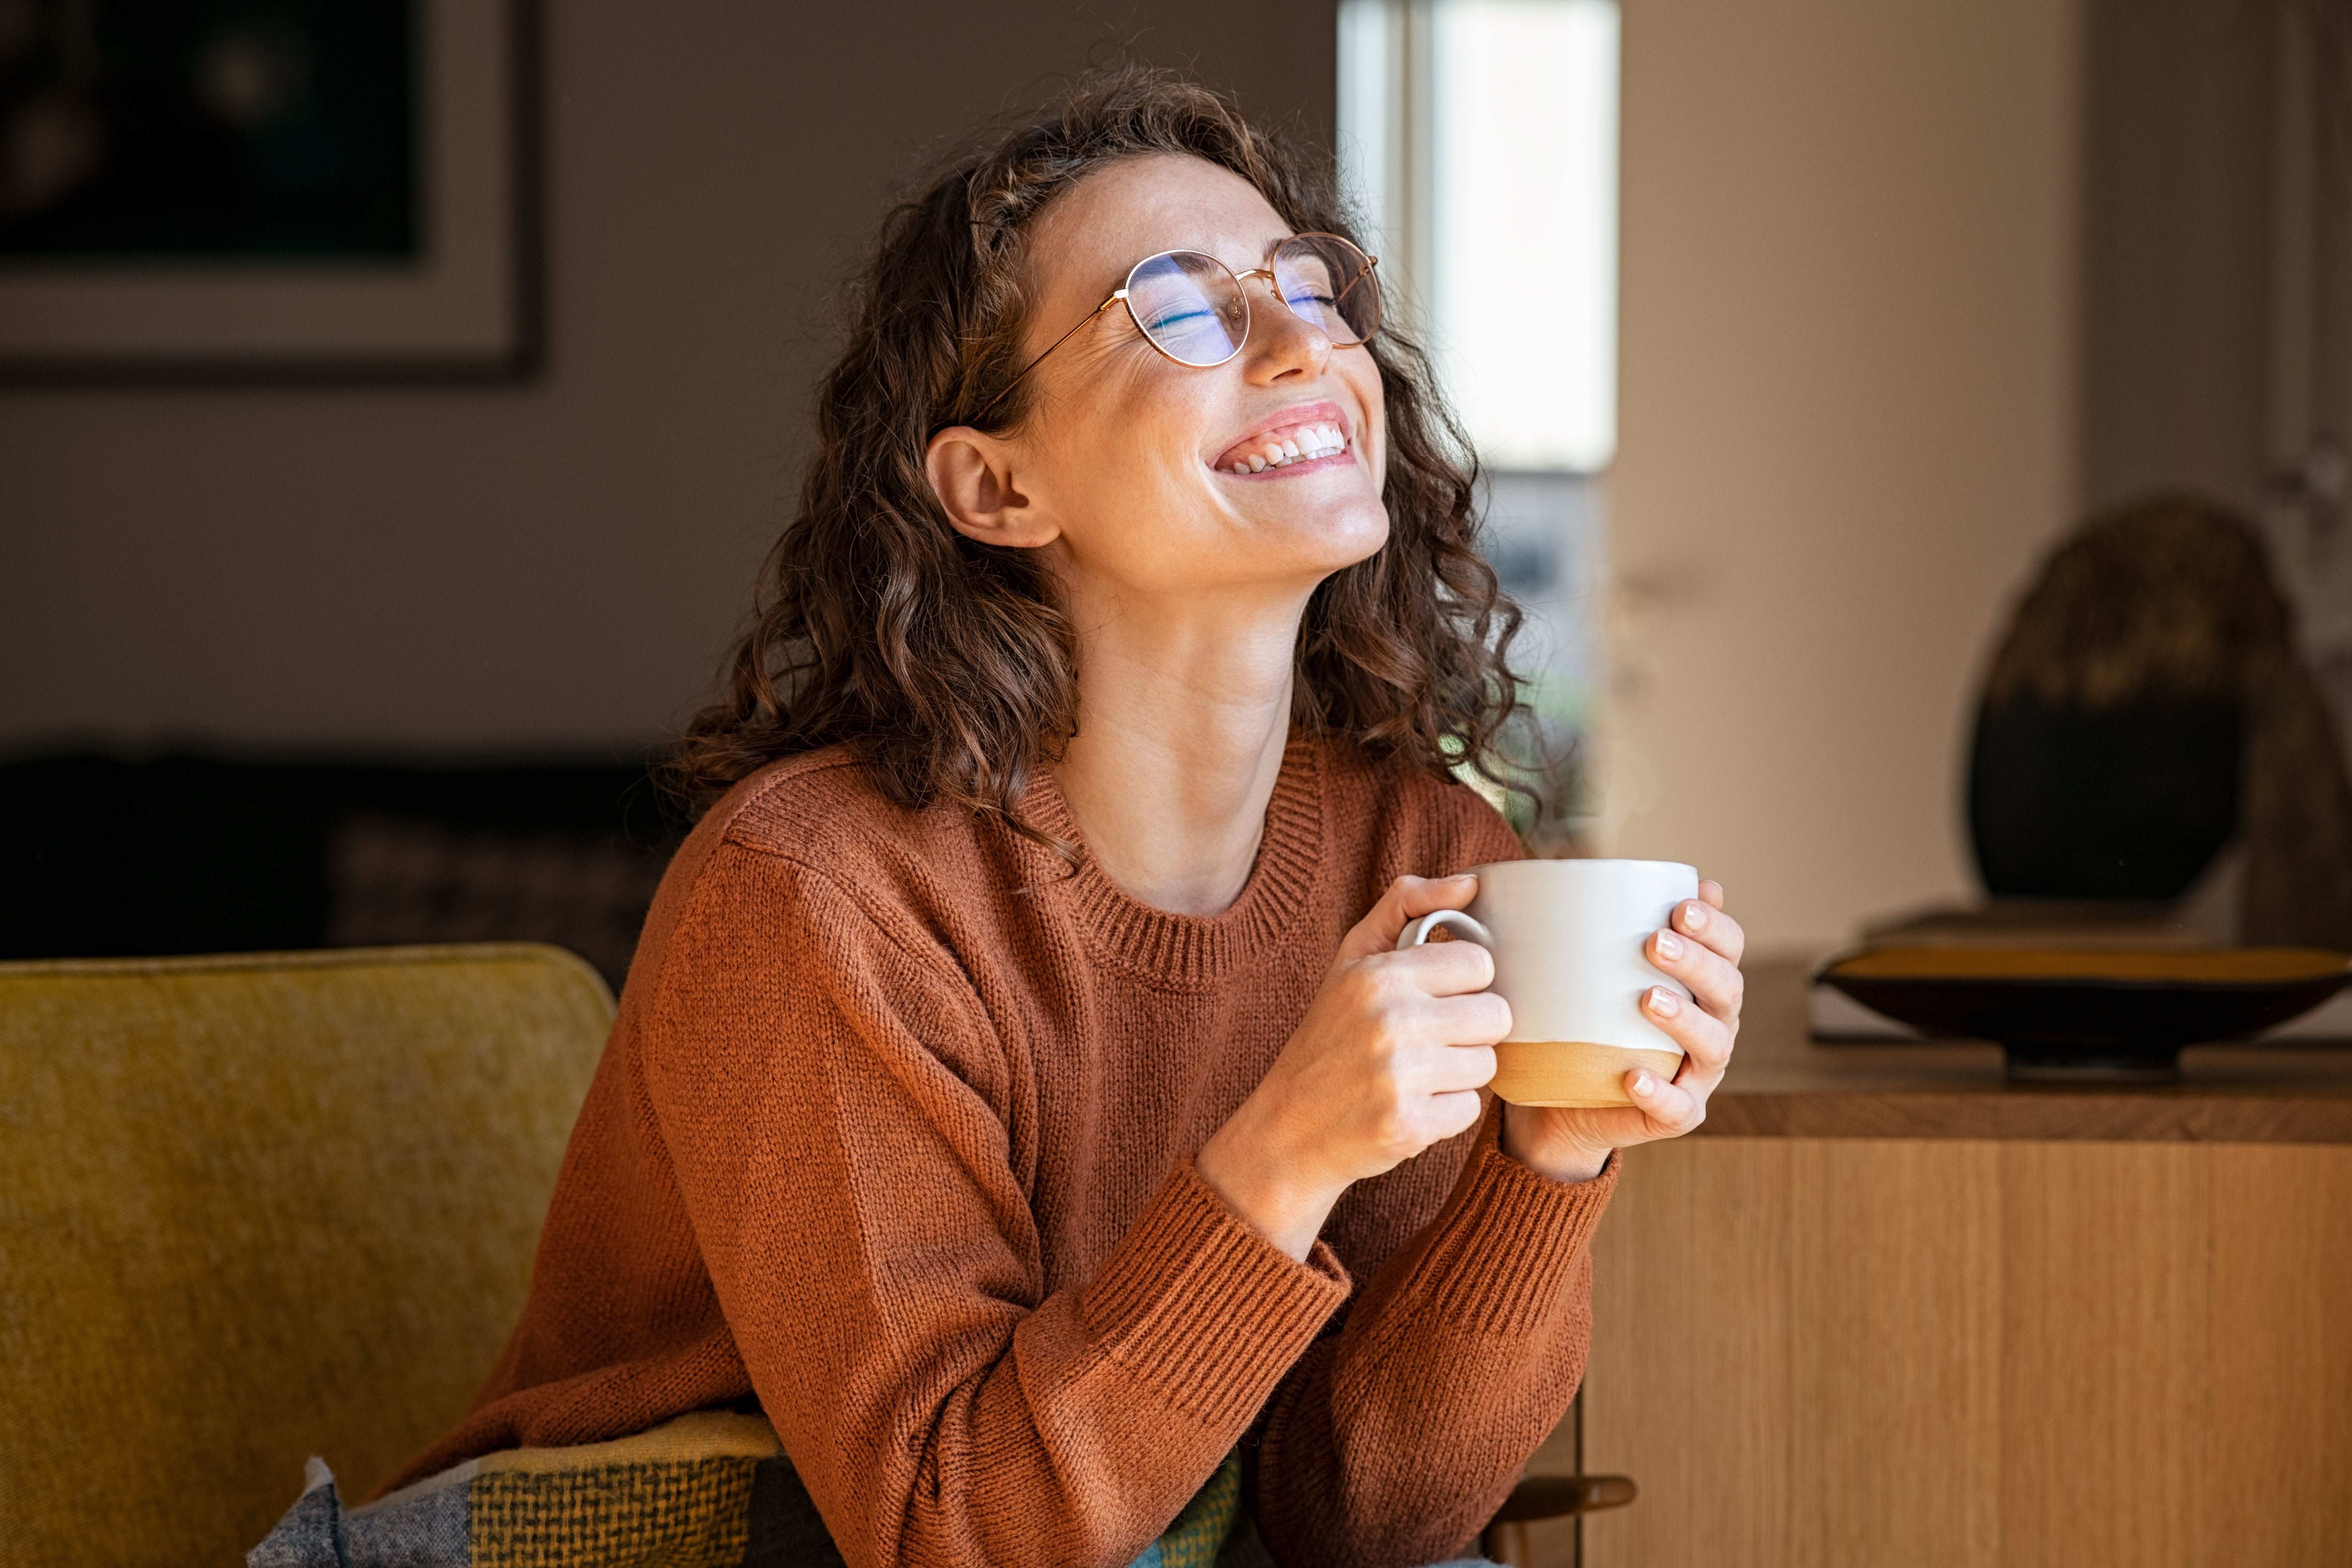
(1302, 444)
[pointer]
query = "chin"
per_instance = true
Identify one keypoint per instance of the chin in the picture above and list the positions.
(1342, 534)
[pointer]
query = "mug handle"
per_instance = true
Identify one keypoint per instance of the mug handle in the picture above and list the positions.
(1417, 931)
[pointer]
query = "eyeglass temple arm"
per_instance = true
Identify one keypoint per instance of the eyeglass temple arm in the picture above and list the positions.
(1006, 391)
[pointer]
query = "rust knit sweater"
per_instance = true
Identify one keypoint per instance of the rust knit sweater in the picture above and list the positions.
(893, 1132)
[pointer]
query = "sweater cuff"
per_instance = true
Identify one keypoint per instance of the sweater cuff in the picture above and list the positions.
(1505, 1251)
(1208, 1310)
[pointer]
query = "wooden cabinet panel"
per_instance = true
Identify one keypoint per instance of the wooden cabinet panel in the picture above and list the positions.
(2103, 1371)
(1827, 1351)
(1719, 1297)
(2280, 1344)
(1893, 1322)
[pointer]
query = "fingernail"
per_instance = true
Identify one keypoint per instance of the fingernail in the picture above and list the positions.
(1669, 945)
(1665, 1003)
(1694, 914)
(1644, 1085)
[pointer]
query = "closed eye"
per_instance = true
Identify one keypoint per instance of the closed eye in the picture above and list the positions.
(1172, 319)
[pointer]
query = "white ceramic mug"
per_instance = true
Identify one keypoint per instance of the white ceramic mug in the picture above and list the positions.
(1567, 938)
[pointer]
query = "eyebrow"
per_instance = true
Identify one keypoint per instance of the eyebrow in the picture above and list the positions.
(1267, 250)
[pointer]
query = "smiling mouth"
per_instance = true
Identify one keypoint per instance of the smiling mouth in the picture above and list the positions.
(1280, 448)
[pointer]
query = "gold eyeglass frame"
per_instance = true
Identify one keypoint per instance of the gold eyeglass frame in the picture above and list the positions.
(1241, 282)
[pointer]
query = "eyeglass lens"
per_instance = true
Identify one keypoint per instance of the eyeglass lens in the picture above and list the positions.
(1192, 306)
(1329, 282)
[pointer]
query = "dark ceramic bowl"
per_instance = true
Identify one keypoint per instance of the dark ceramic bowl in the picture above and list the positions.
(2088, 1013)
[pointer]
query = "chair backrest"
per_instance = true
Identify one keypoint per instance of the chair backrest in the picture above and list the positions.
(256, 1207)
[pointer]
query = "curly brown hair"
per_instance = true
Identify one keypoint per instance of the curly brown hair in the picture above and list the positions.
(944, 665)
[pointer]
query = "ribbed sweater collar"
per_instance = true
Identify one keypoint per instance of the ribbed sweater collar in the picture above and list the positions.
(1189, 951)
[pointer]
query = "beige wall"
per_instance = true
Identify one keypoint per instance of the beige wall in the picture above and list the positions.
(2177, 239)
(556, 564)
(1848, 425)
(1848, 342)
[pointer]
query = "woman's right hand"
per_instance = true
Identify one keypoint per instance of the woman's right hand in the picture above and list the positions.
(1389, 1059)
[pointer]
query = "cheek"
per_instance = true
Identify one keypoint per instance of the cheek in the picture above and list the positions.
(1366, 381)
(1131, 425)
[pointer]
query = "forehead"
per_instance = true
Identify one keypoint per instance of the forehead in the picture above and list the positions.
(1113, 218)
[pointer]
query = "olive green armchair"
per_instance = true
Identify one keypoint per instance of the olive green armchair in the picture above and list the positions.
(262, 1207)
(257, 1207)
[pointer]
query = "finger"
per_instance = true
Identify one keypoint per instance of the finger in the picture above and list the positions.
(1704, 1038)
(1450, 1070)
(1671, 1109)
(1457, 1111)
(1616, 1126)
(1478, 1018)
(1714, 981)
(1626, 1126)
(1703, 920)
(1407, 899)
(1437, 968)
(1696, 1075)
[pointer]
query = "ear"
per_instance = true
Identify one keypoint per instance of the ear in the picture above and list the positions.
(972, 472)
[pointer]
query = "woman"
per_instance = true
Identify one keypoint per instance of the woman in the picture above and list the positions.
(1015, 1091)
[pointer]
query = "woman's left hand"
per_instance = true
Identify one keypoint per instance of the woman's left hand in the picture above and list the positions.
(1702, 950)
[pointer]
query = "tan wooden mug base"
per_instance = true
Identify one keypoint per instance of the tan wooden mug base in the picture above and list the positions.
(1573, 1072)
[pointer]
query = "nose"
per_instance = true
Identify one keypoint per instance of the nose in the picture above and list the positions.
(1282, 342)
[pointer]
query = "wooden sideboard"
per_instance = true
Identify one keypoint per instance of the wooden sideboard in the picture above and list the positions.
(1888, 1308)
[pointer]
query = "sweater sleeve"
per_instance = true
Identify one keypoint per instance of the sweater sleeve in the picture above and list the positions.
(836, 1107)
(1396, 1439)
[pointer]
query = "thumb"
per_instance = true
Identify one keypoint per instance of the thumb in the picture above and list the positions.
(1407, 899)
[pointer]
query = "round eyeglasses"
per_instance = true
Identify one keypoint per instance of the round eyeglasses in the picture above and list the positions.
(1193, 308)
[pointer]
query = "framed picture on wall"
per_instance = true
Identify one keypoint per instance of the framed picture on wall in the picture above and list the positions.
(267, 190)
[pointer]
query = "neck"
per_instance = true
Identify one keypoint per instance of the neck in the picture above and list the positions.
(1183, 709)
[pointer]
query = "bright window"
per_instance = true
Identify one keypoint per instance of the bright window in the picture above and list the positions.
(1480, 137)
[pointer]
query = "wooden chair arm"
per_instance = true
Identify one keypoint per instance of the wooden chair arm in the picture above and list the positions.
(1555, 1497)
(1505, 1539)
